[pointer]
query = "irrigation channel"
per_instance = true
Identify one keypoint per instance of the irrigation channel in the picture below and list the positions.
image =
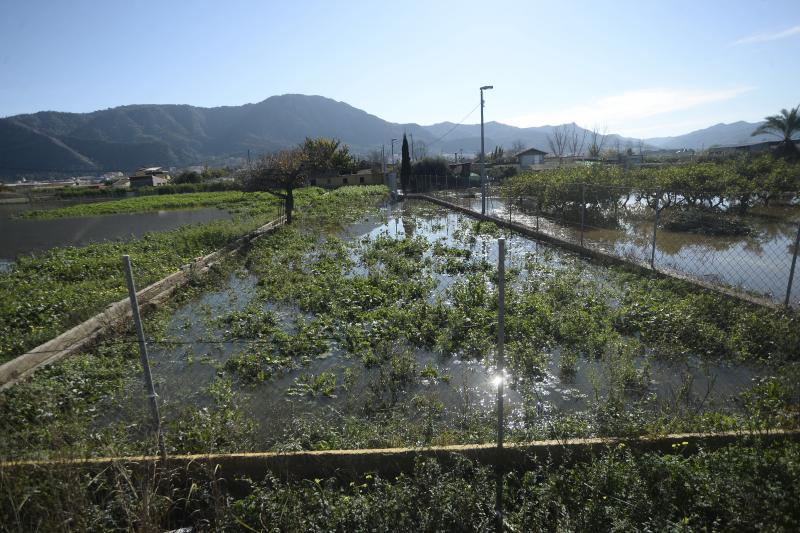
(305, 369)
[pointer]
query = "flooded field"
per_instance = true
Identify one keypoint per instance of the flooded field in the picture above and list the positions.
(20, 236)
(288, 360)
(758, 262)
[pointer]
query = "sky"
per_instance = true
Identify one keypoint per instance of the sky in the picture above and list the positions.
(639, 68)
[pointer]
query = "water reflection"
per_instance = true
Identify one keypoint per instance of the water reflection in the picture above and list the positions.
(758, 262)
(465, 387)
(19, 236)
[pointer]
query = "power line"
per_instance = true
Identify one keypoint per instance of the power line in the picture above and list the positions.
(460, 122)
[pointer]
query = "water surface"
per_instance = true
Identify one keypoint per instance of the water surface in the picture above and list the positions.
(22, 236)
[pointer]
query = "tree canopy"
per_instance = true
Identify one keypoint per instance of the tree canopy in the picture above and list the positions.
(405, 165)
(785, 125)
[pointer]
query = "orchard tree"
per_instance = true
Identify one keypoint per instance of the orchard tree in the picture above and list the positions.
(327, 155)
(280, 174)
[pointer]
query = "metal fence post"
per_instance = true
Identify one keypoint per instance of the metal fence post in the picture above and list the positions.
(794, 264)
(145, 360)
(655, 229)
(583, 209)
(501, 333)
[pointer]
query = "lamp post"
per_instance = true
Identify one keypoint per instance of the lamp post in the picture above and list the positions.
(483, 163)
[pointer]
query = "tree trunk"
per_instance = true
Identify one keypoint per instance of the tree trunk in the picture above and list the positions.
(289, 205)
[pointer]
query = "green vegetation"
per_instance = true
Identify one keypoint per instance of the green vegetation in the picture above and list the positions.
(191, 176)
(383, 301)
(283, 172)
(735, 488)
(786, 126)
(385, 315)
(235, 201)
(405, 165)
(172, 188)
(741, 182)
(46, 294)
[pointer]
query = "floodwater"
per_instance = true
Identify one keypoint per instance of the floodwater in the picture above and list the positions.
(184, 371)
(21, 236)
(758, 263)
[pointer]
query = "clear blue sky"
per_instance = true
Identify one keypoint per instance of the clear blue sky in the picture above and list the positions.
(641, 68)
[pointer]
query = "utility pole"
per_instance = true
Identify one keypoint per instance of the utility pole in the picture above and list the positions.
(393, 141)
(383, 159)
(483, 162)
(412, 145)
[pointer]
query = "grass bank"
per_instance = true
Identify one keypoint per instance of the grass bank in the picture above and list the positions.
(237, 202)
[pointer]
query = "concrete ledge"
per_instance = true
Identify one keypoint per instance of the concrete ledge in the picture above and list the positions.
(89, 331)
(597, 255)
(389, 462)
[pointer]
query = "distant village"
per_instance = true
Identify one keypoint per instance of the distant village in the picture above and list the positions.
(460, 164)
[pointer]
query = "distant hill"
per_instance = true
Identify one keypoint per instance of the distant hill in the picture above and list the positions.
(717, 135)
(127, 137)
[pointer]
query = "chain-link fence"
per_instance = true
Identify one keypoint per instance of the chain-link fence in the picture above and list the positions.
(745, 242)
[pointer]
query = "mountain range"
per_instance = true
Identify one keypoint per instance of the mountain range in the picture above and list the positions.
(125, 138)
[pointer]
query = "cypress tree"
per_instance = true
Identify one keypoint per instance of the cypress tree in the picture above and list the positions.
(405, 166)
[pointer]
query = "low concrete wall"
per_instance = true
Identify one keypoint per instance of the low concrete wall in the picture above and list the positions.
(89, 331)
(596, 255)
(389, 462)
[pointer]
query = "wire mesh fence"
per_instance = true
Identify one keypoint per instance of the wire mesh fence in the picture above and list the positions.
(741, 241)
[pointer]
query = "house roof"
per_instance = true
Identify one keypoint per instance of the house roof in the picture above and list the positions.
(531, 151)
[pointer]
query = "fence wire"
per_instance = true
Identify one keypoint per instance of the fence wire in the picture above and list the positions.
(742, 241)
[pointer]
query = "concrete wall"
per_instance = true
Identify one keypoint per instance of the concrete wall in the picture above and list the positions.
(390, 462)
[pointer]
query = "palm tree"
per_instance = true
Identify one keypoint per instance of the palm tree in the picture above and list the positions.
(786, 125)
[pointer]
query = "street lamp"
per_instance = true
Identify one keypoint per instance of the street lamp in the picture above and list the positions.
(483, 163)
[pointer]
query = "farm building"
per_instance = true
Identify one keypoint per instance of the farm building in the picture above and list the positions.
(149, 177)
(531, 156)
(362, 177)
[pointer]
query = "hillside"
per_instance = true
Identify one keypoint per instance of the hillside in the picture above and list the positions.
(128, 137)
(720, 134)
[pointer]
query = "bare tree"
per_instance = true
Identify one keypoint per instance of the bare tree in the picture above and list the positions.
(597, 140)
(374, 156)
(279, 174)
(558, 141)
(420, 150)
(576, 140)
(517, 146)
